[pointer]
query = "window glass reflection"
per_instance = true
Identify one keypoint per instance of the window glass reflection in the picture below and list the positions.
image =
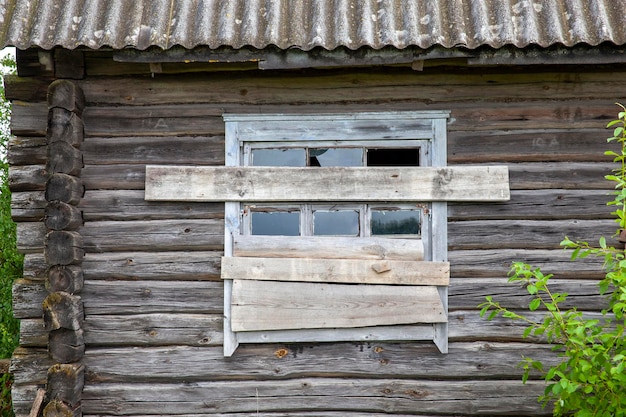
(279, 157)
(336, 157)
(395, 222)
(275, 223)
(336, 223)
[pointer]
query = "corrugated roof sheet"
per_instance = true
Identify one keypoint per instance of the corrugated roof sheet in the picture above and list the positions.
(307, 24)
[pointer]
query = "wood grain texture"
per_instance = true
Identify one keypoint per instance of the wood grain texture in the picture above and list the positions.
(328, 247)
(269, 305)
(349, 271)
(311, 394)
(327, 184)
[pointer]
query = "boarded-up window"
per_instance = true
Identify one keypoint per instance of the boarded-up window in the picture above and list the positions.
(336, 225)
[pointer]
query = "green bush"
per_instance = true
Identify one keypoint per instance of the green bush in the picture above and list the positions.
(10, 260)
(590, 380)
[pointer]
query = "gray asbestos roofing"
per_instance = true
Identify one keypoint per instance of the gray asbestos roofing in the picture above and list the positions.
(306, 24)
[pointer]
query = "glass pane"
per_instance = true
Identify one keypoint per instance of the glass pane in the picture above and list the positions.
(279, 157)
(396, 222)
(336, 223)
(275, 223)
(393, 157)
(336, 157)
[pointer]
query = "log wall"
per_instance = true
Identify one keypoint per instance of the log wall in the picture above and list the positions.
(152, 297)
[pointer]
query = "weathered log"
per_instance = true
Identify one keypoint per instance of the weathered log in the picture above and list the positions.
(66, 346)
(65, 382)
(64, 248)
(539, 205)
(64, 126)
(35, 266)
(157, 236)
(28, 206)
(197, 265)
(27, 177)
(275, 361)
(62, 216)
(65, 278)
(64, 158)
(448, 397)
(65, 94)
(56, 408)
(27, 150)
(69, 63)
(63, 311)
(200, 150)
(30, 237)
(98, 205)
(65, 188)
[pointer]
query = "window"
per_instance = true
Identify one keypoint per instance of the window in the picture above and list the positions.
(335, 225)
(292, 230)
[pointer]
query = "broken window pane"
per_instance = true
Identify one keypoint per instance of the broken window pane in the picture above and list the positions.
(279, 157)
(336, 157)
(393, 157)
(275, 223)
(395, 222)
(336, 222)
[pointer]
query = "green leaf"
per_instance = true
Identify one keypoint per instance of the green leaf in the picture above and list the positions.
(534, 304)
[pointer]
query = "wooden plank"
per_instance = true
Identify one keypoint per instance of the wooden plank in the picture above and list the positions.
(200, 150)
(268, 305)
(197, 265)
(382, 359)
(364, 125)
(526, 234)
(169, 183)
(347, 271)
(489, 397)
(539, 205)
(327, 247)
(146, 297)
(151, 235)
(102, 205)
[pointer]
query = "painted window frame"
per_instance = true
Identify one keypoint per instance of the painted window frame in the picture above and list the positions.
(382, 128)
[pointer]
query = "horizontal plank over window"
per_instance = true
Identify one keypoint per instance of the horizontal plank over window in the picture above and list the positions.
(270, 305)
(283, 184)
(347, 271)
(328, 247)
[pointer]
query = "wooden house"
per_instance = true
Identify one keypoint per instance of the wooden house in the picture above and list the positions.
(293, 208)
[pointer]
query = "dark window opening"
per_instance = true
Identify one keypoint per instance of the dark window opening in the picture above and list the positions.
(393, 157)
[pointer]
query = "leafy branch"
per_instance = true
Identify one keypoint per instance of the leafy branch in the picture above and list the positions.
(589, 381)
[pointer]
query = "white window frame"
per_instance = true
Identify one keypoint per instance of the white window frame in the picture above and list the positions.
(383, 129)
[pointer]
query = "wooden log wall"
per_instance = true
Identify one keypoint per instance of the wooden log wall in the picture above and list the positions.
(152, 298)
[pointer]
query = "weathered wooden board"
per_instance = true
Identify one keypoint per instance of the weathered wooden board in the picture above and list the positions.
(28, 205)
(497, 263)
(197, 265)
(269, 305)
(537, 205)
(102, 205)
(206, 329)
(28, 177)
(383, 359)
(526, 234)
(200, 150)
(399, 84)
(348, 271)
(328, 247)
(528, 145)
(193, 297)
(311, 394)
(163, 235)
(174, 183)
